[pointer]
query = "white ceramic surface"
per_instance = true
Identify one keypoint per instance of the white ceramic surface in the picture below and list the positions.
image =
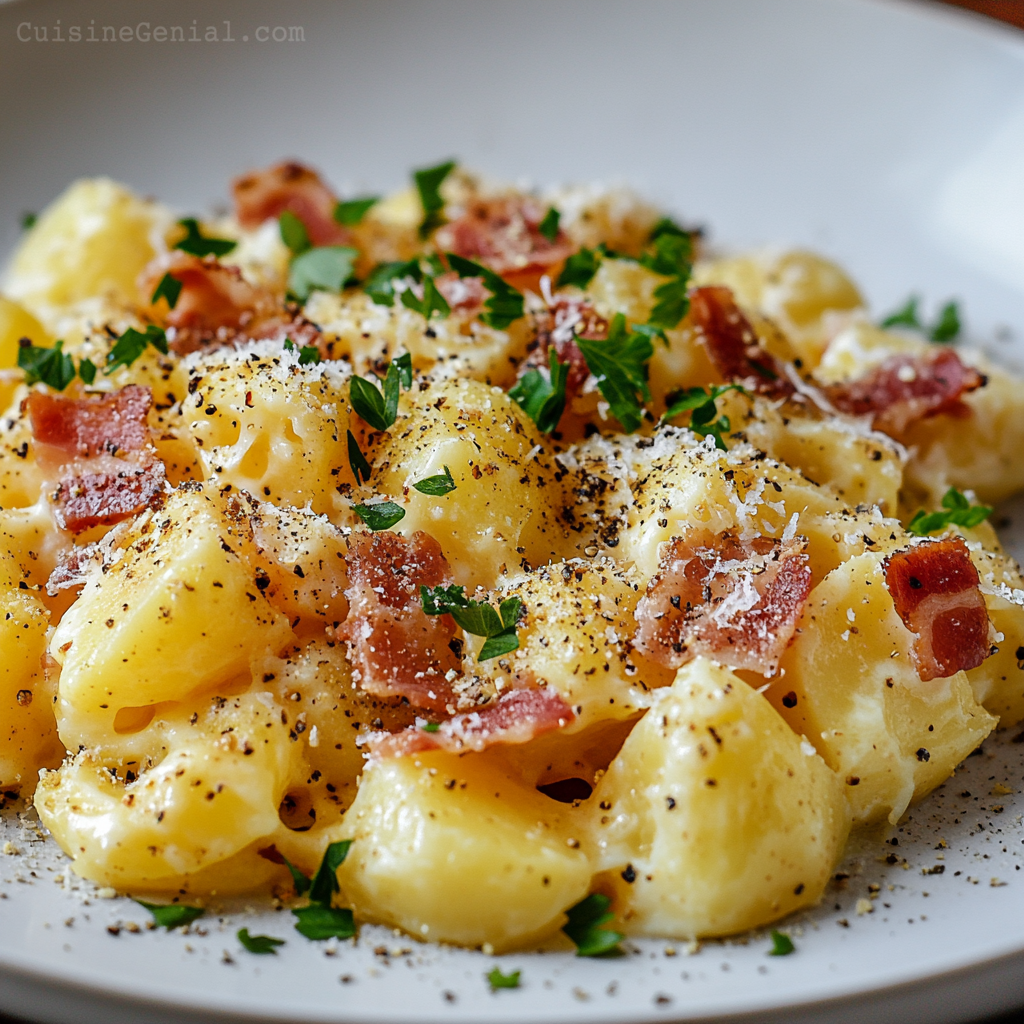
(889, 135)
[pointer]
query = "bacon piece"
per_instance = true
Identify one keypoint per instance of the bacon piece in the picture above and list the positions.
(518, 716)
(290, 186)
(906, 388)
(465, 295)
(396, 649)
(732, 344)
(558, 326)
(503, 233)
(102, 499)
(729, 600)
(936, 591)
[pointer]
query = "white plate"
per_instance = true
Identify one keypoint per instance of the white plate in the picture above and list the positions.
(889, 135)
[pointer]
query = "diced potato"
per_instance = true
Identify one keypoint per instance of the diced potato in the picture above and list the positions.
(849, 684)
(179, 613)
(16, 323)
(715, 817)
(502, 510)
(454, 849)
(215, 792)
(594, 214)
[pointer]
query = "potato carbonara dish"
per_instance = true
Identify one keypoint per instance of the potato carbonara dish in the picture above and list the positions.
(484, 562)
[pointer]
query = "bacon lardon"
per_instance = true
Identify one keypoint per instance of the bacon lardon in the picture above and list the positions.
(557, 327)
(290, 186)
(102, 499)
(395, 648)
(518, 716)
(503, 233)
(906, 388)
(732, 344)
(936, 591)
(733, 601)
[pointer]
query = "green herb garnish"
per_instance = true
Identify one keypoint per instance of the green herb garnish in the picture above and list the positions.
(404, 364)
(379, 407)
(437, 485)
(196, 244)
(667, 226)
(300, 880)
(672, 257)
(325, 881)
(956, 510)
(380, 285)
(320, 920)
(947, 327)
(308, 355)
(505, 304)
(548, 227)
(543, 398)
(169, 288)
(782, 944)
(701, 403)
(172, 915)
(357, 461)
(351, 211)
(293, 233)
(49, 365)
(130, 345)
(87, 370)
(327, 268)
(428, 184)
(433, 302)
(431, 726)
(905, 316)
(28, 221)
(477, 617)
(381, 515)
(498, 980)
(579, 269)
(620, 366)
(259, 944)
(585, 929)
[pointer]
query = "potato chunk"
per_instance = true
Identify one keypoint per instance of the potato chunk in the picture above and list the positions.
(453, 849)
(715, 817)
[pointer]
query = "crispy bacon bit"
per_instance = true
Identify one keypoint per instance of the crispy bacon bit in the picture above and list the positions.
(558, 326)
(732, 344)
(293, 187)
(729, 600)
(518, 716)
(396, 649)
(465, 295)
(102, 499)
(503, 233)
(906, 388)
(936, 591)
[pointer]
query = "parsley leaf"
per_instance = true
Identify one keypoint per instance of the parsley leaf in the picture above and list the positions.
(381, 515)
(309, 354)
(318, 922)
(327, 268)
(477, 617)
(585, 929)
(437, 485)
(293, 233)
(428, 184)
(380, 285)
(357, 461)
(325, 881)
(258, 943)
(196, 244)
(701, 402)
(87, 370)
(947, 327)
(548, 227)
(667, 226)
(956, 509)
(351, 211)
(579, 269)
(169, 288)
(28, 221)
(49, 365)
(172, 915)
(130, 345)
(905, 316)
(782, 944)
(505, 304)
(431, 726)
(378, 409)
(620, 366)
(432, 302)
(498, 980)
(300, 881)
(404, 364)
(671, 257)
(541, 398)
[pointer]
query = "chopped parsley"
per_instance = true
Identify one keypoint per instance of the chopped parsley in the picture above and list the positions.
(433, 302)
(379, 406)
(357, 460)
(428, 184)
(782, 944)
(672, 257)
(169, 288)
(505, 304)
(259, 944)
(351, 211)
(956, 510)
(293, 233)
(87, 370)
(307, 354)
(548, 227)
(701, 404)
(667, 226)
(28, 221)
(431, 726)
(620, 366)
(172, 915)
(326, 267)
(579, 269)
(905, 316)
(437, 485)
(320, 920)
(945, 329)
(49, 365)
(300, 881)
(325, 881)
(404, 364)
(585, 927)
(477, 617)
(543, 398)
(196, 244)
(380, 285)
(498, 980)
(381, 515)
(130, 345)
